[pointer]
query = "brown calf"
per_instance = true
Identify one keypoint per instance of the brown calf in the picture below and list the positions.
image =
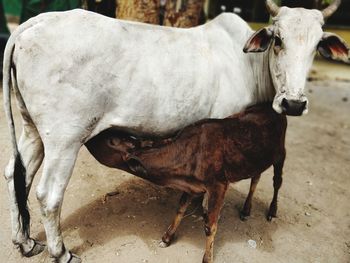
(203, 159)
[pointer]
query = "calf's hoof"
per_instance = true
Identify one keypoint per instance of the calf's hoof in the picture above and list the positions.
(163, 244)
(270, 216)
(207, 259)
(166, 240)
(35, 250)
(244, 216)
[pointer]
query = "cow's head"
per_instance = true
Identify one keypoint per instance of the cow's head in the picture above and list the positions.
(292, 41)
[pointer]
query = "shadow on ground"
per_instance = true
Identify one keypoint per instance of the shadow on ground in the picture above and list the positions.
(142, 209)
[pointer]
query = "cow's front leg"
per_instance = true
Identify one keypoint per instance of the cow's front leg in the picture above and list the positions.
(168, 236)
(58, 166)
(31, 152)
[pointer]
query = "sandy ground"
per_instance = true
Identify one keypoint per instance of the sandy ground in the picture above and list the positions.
(314, 209)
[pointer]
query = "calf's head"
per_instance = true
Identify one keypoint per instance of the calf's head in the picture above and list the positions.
(292, 41)
(121, 143)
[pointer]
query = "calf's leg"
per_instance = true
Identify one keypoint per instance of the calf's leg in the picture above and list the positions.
(277, 182)
(32, 153)
(168, 236)
(245, 212)
(216, 195)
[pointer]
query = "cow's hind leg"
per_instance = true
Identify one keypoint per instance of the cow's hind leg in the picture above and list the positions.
(277, 182)
(32, 153)
(168, 236)
(60, 156)
(216, 195)
(245, 212)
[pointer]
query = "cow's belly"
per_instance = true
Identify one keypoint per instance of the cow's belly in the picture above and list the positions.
(159, 110)
(169, 111)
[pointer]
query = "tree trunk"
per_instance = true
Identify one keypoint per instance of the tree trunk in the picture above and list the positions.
(320, 4)
(177, 13)
(183, 13)
(317, 4)
(146, 11)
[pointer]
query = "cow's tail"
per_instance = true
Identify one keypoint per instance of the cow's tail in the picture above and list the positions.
(19, 171)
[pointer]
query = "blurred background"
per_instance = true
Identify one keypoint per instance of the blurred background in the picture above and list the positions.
(154, 11)
(177, 13)
(111, 216)
(141, 10)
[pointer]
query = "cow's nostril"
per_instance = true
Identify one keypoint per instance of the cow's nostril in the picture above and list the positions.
(293, 107)
(303, 105)
(285, 105)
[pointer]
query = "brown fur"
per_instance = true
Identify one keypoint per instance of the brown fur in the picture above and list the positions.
(203, 158)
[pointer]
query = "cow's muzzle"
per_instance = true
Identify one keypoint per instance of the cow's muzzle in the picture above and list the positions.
(293, 107)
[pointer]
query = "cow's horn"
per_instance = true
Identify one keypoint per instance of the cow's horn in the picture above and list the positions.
(272, 8)
(328, 11)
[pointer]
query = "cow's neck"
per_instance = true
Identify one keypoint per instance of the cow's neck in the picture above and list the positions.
(264, 89)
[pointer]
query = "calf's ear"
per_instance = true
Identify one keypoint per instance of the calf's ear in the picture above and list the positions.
(333, 47)
(259, 41)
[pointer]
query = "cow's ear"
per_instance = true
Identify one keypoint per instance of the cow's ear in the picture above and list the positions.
(333, 47)
(259, 41)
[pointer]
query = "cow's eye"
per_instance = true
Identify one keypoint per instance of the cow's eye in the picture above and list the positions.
(278, 45)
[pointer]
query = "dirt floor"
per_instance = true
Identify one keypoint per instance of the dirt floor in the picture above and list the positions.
(314, 209)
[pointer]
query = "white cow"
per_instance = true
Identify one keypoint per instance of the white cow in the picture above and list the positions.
(77, 73)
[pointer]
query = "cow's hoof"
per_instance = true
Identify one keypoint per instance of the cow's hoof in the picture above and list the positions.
(36, 249)
(163, 244)
(74, 259)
